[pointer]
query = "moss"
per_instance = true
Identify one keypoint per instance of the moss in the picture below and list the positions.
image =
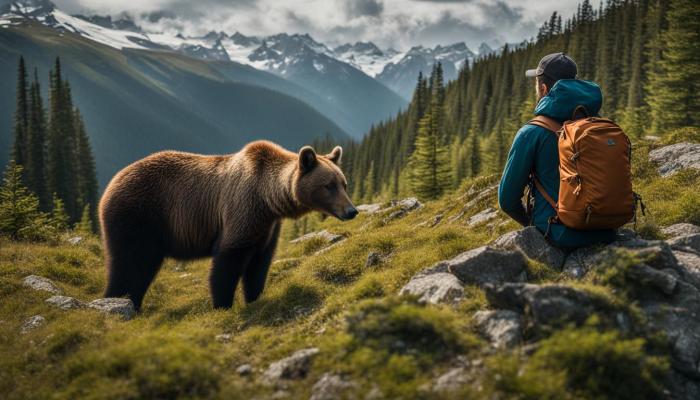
(540, 272)
(686, 134)
(599, 365)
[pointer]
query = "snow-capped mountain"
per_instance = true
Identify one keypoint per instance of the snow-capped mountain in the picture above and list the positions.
(401, 75)
(366, 56)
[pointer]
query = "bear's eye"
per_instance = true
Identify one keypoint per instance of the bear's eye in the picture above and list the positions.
(330, 187)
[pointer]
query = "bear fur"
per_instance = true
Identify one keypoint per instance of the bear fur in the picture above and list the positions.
(187, 206)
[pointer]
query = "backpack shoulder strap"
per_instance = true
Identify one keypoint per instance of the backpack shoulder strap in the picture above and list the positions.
(547, 123)
(544, 194)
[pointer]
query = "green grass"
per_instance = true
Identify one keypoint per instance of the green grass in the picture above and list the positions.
(332, 301)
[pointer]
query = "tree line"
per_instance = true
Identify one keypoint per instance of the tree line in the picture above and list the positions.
(645, 55)
(51, 178)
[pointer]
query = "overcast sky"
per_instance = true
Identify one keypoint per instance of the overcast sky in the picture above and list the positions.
(388, 23)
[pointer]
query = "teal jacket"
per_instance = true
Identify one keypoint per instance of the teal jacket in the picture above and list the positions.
(535, 149)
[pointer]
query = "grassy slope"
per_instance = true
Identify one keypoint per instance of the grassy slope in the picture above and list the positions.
(169, 350)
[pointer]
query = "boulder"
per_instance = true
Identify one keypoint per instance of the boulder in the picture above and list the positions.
(330, 387)
(295, 366)
(223, 338)
(373, 259)
(75, 240)
(323, 235)
(533, 244)
(114, 305)
(487, 265)
(503, 328)
(451, 380)
(40, 283)
(435, 288)
(482, 216)
(686, 243)
(65, 302)
(544, 305)
(244, 370)
(32, 323)
(663, 280)
(678, 230)
(580, 261)
(409, 204)
(671, 159)
(369, 208)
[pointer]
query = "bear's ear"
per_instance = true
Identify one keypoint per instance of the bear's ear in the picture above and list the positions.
(307, 159)
(335, 155)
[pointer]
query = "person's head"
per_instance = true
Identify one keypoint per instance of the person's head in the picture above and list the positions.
(552, 68)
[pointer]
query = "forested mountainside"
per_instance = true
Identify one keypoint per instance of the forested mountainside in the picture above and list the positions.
(645, 55)
(136, 102)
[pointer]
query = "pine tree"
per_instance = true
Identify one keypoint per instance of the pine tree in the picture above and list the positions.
(20, 217)
(85, 163)
(19, 146)
(36, 162)
(85, 226)
(675, 94)
(62, 170)
(59, 218)
(430, 173)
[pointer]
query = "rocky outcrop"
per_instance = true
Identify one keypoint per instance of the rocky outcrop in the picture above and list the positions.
(678, 230)
(40, 283)
(114, 305)
(331, 387)
(503, 328)
(451, 380)
(483, 216)
(32, 323)
(402, 208)
(323, 235)
(295, 366)
(369, 208)
(65, 302)
(671, 159)
(487, 265)
(688, 243)
(532, 244)
(440, 287)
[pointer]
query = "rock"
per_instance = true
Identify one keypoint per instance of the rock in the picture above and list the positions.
(664, 280)
(323, 235)
(369, 208)
(689, 261)
(373, 258)
(75, 240)
(502, 327)
(114, 305)
(688, 242)
(40, 283)
(451, 380)
(295, 366)
(435, 288)
(544, 305)
(682, 229)
(65, 302)
(487, 265)
(482, 216)
(223, 337)
(32, 323)
(410, 204)
(533, 244)
(655, 253)
(672, 158)
(244, 370)
(580, 261)
(330, 387)
(328, 248)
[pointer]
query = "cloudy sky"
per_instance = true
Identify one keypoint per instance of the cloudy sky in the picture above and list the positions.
(389, 23)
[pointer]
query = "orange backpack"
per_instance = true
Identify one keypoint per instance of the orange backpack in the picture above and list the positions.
(595, 191)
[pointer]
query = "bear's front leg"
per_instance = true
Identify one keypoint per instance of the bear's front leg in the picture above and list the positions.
(228, 266)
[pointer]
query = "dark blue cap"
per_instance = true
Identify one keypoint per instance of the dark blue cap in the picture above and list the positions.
(555, 66)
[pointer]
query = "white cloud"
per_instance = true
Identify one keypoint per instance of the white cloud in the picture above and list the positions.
(397, 23)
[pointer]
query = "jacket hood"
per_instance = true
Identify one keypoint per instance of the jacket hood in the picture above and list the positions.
(566, 95)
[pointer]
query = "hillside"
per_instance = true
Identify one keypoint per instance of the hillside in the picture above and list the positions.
(136, 102)
(589, 327)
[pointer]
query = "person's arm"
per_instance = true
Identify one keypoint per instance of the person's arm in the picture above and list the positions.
(520, 163)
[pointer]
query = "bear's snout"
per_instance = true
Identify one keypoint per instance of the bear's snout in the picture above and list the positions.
(350, 212)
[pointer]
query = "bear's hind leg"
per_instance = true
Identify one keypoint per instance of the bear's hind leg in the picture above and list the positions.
(131, 271)
(227, 268)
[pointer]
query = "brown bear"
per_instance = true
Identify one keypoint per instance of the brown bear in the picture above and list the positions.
(186, 206)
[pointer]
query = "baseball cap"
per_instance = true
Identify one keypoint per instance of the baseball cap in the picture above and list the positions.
(555, 66)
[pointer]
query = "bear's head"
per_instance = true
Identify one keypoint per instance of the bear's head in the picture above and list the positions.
(321, 185)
